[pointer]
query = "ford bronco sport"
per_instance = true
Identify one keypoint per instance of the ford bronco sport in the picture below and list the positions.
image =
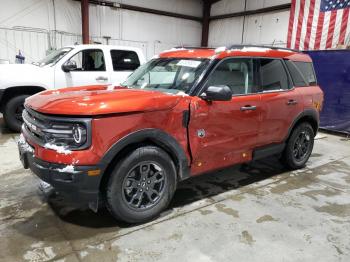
(186, 112)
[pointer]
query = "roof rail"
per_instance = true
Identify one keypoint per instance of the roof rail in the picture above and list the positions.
(194, 47)
(262, 46)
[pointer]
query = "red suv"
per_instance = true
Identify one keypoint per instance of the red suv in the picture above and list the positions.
(186, 112)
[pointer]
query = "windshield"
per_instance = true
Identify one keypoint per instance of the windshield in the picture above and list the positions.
(169, 75)
(53, 57)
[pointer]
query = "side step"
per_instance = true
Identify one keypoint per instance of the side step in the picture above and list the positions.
(266, 151)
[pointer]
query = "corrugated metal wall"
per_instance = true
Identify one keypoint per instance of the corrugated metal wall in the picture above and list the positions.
(33, 44)
(268, 28)
(33, 26)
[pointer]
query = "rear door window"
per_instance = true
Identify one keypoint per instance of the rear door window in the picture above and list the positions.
(297, 76)
(273, 75)
(124, 60)
(302, 73)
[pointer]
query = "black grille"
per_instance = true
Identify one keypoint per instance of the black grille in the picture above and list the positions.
(48, 129)
(34, 123)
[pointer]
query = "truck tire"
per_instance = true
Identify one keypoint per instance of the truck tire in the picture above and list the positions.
(13, 112)
(141, 185)
(299, 146)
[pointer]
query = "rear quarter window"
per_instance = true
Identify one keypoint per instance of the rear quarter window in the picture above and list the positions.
(124, 60)
(307, 69)
(302, 73)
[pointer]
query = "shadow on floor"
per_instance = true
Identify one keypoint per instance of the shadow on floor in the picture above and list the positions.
(188, 191)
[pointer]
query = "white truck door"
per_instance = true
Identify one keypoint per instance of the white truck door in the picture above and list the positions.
(91, 69)
(124, 63)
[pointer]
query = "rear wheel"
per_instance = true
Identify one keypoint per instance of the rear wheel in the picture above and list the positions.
(299, 146)
(13, 112)
(141, 185)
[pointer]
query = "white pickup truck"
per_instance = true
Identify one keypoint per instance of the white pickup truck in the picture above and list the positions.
(70, 66)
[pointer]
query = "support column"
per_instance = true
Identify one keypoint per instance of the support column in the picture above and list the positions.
(205, 23)
(85, 21)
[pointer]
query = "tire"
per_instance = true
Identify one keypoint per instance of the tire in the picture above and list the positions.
(299, 146)
(133, 196)
(13, 112)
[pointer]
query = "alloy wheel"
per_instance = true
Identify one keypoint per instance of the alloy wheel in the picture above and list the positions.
(144, 185)
(301, 146)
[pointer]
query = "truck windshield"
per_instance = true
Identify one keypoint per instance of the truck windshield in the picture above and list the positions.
(53, 57)
(169, 75)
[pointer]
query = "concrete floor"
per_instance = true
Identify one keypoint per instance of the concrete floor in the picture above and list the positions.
(257, 212)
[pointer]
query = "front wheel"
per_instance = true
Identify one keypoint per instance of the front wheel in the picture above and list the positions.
(299, 146)
(13, 112)
(141, 185)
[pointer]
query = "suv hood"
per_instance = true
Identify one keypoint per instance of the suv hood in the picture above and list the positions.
(99, 100)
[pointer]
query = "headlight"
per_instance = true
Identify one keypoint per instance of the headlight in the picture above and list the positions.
(79, 134)
(70, 135)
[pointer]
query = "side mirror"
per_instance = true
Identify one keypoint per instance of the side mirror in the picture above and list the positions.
(68, 66)
(217, 93)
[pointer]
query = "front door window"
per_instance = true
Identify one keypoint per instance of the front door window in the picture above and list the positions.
(237, 73)
(89, 60)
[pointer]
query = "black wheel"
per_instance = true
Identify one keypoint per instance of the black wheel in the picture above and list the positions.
(13, 112)
(299, 146)
(141, 185)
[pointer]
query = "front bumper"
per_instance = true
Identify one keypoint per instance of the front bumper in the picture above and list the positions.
(71, 181)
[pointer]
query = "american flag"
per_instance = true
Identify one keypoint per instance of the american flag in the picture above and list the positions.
(318, 24)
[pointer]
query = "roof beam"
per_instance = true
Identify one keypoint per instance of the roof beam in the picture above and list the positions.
(144, 10)
(211, 1)
(159, 12)
(252, 12)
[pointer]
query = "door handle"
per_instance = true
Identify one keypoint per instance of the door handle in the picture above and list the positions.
(292, 102)
(101, 78)
(248, 108)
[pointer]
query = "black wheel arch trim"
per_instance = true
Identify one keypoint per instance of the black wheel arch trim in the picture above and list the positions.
(2, 91)
(307, 113)
(158, 137)
(13, 91)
